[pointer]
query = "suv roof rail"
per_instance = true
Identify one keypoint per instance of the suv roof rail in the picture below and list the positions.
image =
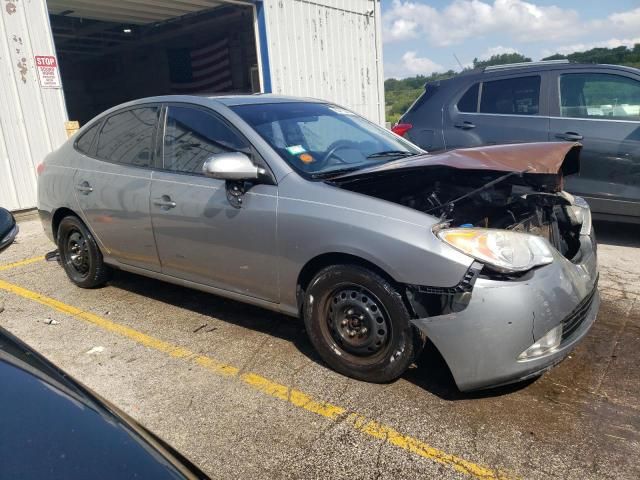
(524, 64)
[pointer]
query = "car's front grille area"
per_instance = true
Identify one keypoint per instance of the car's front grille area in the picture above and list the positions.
(578, 315)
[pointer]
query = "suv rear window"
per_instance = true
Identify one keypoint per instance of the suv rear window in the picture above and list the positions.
(513, 96)
(126, 137)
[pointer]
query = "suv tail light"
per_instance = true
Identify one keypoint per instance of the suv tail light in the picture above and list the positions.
(40, 168)
(401, 128)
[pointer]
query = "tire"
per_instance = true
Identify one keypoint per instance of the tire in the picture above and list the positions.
(79, 254)
(359, 324)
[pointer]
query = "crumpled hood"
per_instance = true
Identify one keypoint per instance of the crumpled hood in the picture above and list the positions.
(533, 158)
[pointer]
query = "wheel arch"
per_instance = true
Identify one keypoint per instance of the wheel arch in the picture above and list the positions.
(57, 217)
(317, 263)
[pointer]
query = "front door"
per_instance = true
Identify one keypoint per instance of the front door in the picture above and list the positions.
(113, 185)
(504, 110)
(602, 111)
(200, 236)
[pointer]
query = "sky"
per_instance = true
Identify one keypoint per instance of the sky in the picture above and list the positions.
(422, 36)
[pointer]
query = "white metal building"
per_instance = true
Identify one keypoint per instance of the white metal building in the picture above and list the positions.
(71, 59)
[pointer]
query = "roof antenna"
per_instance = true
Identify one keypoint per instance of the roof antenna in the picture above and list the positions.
(458, 60)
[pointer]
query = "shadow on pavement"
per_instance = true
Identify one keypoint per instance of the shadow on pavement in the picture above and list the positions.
(219, 308)
(434, 376)
(432, 373)
(619, 234)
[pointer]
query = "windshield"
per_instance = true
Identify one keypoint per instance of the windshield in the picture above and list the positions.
(318, 139)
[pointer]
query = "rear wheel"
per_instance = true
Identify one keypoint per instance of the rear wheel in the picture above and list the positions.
(359, 324)
(79, 254)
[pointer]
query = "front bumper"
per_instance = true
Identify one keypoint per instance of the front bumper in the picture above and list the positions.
(481, 343)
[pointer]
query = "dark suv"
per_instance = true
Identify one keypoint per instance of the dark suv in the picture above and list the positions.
(596, 105)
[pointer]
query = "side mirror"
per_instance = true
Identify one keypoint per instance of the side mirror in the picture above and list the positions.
(233, 166)
(8, 228)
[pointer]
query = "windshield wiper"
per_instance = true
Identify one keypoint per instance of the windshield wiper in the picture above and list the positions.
(392, 153)
(335, 172)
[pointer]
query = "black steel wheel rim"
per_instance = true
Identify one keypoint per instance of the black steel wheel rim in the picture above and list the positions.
(357, 321)
(77, 253)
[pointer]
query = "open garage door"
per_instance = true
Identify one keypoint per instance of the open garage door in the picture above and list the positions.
(113, 51)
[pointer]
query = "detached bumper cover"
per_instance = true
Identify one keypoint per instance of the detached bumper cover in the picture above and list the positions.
(481, 343)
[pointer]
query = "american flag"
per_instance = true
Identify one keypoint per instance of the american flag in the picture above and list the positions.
(199, 70)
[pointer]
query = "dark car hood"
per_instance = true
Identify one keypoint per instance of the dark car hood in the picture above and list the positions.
(533, 158)
(52, 427)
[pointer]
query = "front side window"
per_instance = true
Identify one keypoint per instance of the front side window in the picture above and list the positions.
(511, 96)
(599, 95)
(317, 138)
(127, 137)
(192, 135)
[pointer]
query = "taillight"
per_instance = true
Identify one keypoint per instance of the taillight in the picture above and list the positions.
(401, 128)
(40, 168)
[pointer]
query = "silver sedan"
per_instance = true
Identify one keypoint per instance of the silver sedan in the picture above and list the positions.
(305, 208)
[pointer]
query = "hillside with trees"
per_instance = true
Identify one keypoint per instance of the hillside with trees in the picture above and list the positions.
(400, 94)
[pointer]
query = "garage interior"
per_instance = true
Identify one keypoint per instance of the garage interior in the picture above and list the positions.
(113, 51)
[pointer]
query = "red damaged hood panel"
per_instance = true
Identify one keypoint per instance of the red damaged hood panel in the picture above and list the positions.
(532, 158)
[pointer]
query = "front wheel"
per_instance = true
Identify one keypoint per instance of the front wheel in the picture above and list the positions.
(80, 255)
(359, 324)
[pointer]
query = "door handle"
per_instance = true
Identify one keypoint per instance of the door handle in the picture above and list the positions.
(465, 125)
(569, 136)
(164, 202)
(84, 188)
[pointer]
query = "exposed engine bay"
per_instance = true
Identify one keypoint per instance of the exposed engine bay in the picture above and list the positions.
(522, 202)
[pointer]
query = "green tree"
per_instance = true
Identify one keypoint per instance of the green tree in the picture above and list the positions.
(614, 56)
(500, 59)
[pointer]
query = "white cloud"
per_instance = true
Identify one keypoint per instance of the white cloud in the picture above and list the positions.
(412, 64)
(463, 19)
(499, 50)
(420, 65)
(625, 22)
(518, 20)
(401, 29)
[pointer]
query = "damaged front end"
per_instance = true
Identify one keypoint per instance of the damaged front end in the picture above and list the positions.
(530, 295)
(495, 204)
(489, 188)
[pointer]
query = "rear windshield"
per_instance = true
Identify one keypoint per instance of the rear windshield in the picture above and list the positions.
(321, 138)
(429, 91)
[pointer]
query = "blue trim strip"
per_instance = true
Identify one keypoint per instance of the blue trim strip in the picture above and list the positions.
(264, 49)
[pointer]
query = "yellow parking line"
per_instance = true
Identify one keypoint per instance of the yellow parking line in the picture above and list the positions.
(21, 263)
(264, 385)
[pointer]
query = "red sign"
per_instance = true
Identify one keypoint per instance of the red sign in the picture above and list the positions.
(48, 72)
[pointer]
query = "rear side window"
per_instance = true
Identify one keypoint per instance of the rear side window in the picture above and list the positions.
(469, 101)
(599, 95)
(513, 96)
(83, 144)
(127, 137)
(193, 135)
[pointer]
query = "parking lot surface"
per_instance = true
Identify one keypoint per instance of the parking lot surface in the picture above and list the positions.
(240, 391)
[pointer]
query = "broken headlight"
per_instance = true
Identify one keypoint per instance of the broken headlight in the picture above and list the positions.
(503, 250)
(582, 212)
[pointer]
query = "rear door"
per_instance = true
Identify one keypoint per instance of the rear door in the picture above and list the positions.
(509, 109)
(201, 237)
(112, 188)
(601, 110)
